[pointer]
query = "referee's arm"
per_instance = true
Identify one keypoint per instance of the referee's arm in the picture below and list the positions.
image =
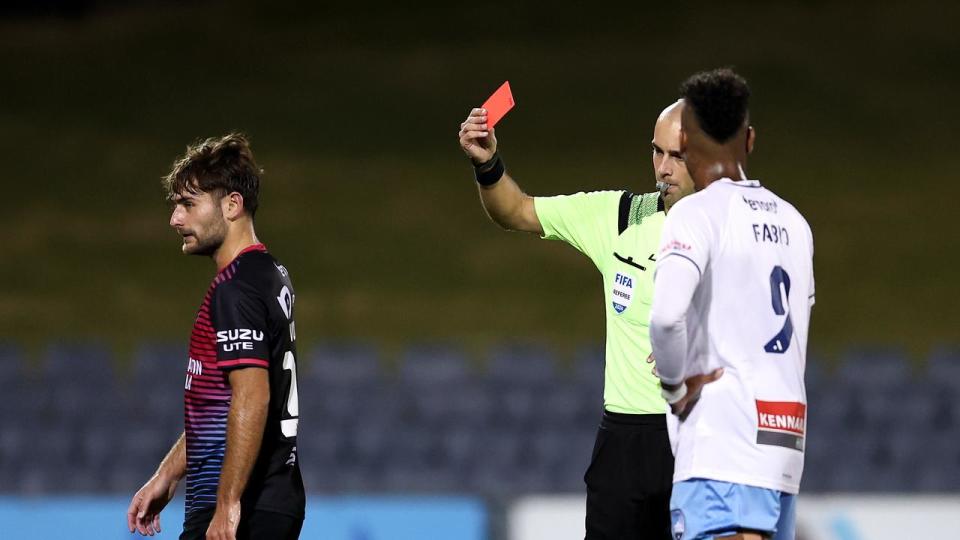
(506, 204)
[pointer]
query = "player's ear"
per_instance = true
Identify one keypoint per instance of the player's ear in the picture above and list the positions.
(233, 205)
(751, 138)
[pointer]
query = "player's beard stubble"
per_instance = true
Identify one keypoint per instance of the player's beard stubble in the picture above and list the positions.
(205, 239)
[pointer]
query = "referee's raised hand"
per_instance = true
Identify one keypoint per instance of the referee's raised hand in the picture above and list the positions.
(478, 142)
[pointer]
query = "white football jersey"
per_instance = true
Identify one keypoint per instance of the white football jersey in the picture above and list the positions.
(750, 315)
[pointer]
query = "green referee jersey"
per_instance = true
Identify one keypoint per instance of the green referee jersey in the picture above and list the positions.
(620, 232)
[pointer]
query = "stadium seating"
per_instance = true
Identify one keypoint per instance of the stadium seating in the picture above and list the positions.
(516, 421)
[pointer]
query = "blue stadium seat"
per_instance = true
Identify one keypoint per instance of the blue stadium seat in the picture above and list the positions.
(565, 404)
(324, 444)
(24, 403)
(416, 445)
(815, 372)
(833, 412)
(459, 446)
(158, 361)
(153, 390)
(82, 363)
(488, 479)
(578, 449)
(472, 405)
(430, 478)
(466, 403)
(587, 373)
(17, 441)
(433, 365)
(45, 480)
(501, 446)
(144, 445)
(885, 368)
(548, 446)
(520, 364)
(820, 454)
(342, 365)
(588, 366)
(98, 450)
(520, 407)
(50, 446)
(126, 475)
(13, 367)
(943, 370)
(916, 409)
(369, 441)
(80, 381)
(854, 456)
(341, 384)
(876, 411)
(939, 468)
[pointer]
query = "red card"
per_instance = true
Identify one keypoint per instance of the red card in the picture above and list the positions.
(499, 104)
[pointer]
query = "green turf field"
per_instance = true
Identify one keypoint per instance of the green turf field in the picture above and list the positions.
(367, 199)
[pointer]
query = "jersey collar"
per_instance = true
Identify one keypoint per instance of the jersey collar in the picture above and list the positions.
(253, 247)
(741, 183)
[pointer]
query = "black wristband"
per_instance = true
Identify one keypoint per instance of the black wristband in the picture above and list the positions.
(490, 172)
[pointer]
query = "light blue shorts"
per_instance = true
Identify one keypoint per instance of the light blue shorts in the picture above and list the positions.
(701, 509)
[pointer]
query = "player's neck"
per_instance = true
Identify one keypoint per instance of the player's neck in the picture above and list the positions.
(237, 240)
(731, 168)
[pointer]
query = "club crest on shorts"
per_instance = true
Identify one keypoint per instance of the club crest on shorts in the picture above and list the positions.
(678, 524)
(622, 294)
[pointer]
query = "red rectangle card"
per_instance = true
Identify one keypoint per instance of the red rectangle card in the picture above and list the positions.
(499, 104)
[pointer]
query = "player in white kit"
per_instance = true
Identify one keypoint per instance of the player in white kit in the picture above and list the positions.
(732, 295)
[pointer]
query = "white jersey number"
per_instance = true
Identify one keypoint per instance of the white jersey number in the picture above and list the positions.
(289, 426)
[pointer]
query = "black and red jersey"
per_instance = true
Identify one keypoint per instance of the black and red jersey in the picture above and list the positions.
(245, 322)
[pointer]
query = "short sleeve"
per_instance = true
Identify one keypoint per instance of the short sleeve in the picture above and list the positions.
(586, 221)
(686, 233)
(239, 319)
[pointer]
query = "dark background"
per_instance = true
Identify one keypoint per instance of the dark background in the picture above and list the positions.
(353, 110)
(472, 356)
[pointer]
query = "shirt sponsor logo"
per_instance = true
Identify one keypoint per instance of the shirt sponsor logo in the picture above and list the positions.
(781, 423)
(239, 339)
(757, 204)
(194, 367)
(622, 295)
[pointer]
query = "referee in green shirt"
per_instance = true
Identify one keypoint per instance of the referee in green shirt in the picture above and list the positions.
(631, 471)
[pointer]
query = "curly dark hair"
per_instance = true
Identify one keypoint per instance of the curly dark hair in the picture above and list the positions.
(217, 165)
(720, 100)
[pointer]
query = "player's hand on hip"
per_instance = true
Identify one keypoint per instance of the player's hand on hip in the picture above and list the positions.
(476, 140)
(694, 384)
(143, 514)
(225, 521)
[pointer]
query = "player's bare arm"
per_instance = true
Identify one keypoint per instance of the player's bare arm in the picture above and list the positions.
(143, 514)
(506, 204)
(245, 425)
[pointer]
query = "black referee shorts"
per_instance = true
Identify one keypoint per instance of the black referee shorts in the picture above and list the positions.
(257, 525)
(629, 479)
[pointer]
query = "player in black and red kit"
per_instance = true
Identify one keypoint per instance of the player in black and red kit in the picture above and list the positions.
(239, 446)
